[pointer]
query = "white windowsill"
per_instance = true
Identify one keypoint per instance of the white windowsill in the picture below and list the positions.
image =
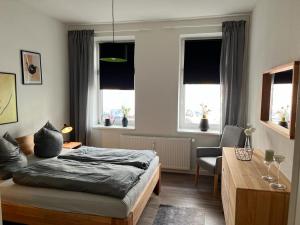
(195, 131)
(112, 127)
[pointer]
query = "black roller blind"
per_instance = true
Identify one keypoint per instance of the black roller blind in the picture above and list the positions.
(117, 75)
(202, 61)
(284, 77)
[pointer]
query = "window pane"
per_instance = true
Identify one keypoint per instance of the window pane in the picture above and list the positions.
(112, 102)
(194, 96)
(281, 94)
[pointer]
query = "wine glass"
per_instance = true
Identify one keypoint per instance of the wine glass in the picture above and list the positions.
(278, 159)
(269, 158)
(268, 177)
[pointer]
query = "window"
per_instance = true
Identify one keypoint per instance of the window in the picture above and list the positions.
(116, 85)
(200, 84)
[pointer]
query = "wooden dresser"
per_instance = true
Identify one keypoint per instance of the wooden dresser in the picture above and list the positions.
(247, 199)
(0, 212)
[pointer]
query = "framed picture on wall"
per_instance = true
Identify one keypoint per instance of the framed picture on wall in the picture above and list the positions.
(8, 98)
(31, 67)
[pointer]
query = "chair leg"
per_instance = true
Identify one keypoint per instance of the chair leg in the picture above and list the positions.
(216, 180)
(197, 173)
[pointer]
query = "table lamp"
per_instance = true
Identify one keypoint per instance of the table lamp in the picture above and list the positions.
(66, 129)
(69, 145)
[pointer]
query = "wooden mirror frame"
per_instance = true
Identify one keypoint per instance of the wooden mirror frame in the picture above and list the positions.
(266, 98)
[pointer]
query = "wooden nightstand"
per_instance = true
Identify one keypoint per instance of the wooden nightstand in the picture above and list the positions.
(72, 145)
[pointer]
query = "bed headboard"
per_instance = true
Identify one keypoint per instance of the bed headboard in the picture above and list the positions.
(26, 144)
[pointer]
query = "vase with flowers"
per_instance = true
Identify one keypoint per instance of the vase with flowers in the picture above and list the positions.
(283, 114)
(204, 125)
(248, 132)
(125, 111)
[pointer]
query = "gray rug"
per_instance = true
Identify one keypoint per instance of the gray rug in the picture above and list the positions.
(170, 215)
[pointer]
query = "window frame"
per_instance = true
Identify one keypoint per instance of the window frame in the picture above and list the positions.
(181, 127)
(99, 97)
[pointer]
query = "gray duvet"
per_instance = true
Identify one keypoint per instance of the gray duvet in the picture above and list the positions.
(82, 176)
(137, 158)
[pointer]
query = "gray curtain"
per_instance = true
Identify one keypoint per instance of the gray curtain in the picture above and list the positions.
(233, 77)
(81, 67)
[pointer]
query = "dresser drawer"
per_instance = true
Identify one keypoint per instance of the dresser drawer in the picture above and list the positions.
(225, 173)
(224, 192)
(231, 217)
(232, 195)
(0, 212)
(225, 202)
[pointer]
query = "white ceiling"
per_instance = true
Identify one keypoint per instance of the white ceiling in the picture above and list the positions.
(99, 11)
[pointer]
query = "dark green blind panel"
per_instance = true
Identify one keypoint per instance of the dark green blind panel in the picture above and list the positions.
(285, 77)
(202, 61)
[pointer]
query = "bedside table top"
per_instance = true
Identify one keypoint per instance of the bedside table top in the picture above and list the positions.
(72, 145)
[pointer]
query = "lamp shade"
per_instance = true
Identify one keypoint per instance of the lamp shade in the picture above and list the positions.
(66, 129)
(113, 52)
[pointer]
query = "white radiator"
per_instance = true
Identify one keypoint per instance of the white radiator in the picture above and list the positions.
(174, 153)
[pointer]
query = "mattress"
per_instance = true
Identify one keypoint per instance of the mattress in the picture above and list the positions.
(76, 202)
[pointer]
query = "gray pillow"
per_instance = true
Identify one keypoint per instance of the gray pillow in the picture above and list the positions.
(11, 158)
(10, 139)
(48, 142)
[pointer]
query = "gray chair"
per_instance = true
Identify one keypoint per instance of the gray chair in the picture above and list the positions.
(210, 158)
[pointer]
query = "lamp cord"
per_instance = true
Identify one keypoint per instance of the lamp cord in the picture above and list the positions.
(113, 19)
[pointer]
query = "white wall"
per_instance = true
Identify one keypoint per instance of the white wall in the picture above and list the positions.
(23, 28)
(157, 46)
(275, 40)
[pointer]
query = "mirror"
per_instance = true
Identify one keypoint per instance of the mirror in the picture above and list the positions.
(279, 96)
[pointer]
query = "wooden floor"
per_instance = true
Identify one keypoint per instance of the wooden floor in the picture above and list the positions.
(179, 190)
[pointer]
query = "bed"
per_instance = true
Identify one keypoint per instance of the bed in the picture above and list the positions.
(33, 205)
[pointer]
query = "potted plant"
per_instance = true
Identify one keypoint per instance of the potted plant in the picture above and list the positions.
(125, 112)
(204, 120)
(283, 114)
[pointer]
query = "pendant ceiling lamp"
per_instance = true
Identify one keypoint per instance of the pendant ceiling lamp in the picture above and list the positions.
(115, 52)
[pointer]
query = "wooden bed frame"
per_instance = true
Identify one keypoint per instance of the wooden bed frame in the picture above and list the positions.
(39, 216)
